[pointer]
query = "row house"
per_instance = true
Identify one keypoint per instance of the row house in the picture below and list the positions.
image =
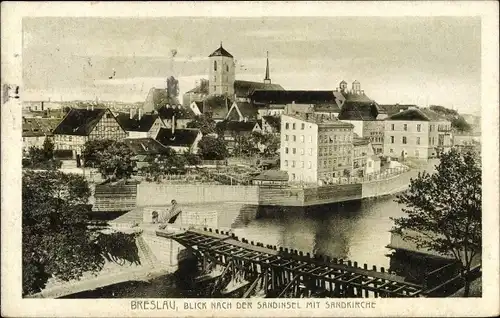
(364, 117)
(82, 125)
(416, 133)
(314, 148)
(364, 160)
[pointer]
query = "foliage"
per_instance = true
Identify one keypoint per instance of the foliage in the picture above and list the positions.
(443, 110)
(56, 239)
(168, 162)
(116, 161)
(204, 85)
(192, 159)
(93, 149)
(203, 122)
(245, 145)
(42, 158)
(212, 148)
(270, 142)
(460, 124)
(445, 209)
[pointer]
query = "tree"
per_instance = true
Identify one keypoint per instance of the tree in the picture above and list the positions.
(92, 150)
(56, 238)
(245, 145)
(461, 124)
(42, 158)
(203, 122)
(445, 209)
(212, 148)
(172, 90)
(116, 161)
(48, 148)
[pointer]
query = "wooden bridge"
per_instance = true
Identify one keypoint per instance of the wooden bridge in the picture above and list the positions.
(266, 271)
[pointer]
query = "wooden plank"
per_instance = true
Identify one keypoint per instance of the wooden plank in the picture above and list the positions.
(354, 278)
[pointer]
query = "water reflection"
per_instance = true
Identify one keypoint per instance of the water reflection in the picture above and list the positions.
(357, 230)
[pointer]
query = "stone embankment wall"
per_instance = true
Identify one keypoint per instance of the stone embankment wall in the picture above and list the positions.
(388, 186)
(153, 194)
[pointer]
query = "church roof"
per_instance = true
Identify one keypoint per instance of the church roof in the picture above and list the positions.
(221, 52)
(358, 111)
(246, 88)
(287, 97)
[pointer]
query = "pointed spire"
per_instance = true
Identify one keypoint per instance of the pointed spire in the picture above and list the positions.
(267, 80)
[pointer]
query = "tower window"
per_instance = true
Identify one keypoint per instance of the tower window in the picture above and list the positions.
(227, 68)
(215, 65)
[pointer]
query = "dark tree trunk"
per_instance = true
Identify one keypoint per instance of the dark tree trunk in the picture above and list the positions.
(466, 286)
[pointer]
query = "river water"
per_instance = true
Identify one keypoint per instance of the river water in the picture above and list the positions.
(356, 231)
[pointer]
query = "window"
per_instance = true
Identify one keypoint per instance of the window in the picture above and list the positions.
(215, 87)
(310, 138)
(301, 151)
(227, 68)
(417, 154)
(294, 137)
(392, 126)
(310, 151)
(70, 138)
(302, 126)
(309, 165)
(405, 127)
(369, 164)
(215, 65)
(286, 127)
(293, 126)
(418, 140)
(285, 163)
(392, 139)
(294, 150)
(404, 140)
(286, 149)
(293, 163)
(302, 139)
(302, 164)
(286, 137)
(293, 176)
(418, 127)
(391, 150)
(324, 163)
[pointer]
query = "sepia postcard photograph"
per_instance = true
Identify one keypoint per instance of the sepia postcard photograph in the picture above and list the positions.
(250, 159)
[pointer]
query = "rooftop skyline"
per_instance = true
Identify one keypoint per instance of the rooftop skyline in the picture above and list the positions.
(410, 60)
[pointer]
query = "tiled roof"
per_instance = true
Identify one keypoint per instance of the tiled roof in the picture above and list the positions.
(80, 121)
(145, 146)
(356, 97)
(179, 112)
(272, 175)
(180, 137)
(415, 114)
(247, 110)
(236, 126)
(246, 88)
(143, 124)
(358, 111)
(287, 97)
(218, 106)
(221, 52)
(37, 127)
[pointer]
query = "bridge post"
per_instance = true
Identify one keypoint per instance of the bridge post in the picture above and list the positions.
(374, 268)
(367, 292)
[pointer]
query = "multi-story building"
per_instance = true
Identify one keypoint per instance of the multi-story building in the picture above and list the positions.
(82, 125)
(139, 125)
(314, 147)
(416, 133)
(364, 160)
(36, 130)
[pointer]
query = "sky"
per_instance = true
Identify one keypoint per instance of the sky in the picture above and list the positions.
(406, 60)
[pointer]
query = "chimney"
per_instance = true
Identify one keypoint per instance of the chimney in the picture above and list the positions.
(88, 107)
(132, 113)
(92, 106)
(42, 105)
(173, 124)
(140, 113)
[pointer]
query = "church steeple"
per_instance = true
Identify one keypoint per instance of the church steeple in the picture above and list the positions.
(267, 80)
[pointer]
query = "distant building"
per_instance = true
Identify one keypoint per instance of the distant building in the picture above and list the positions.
(140, 125)
(271, 178)
(271, 124)
(82, 125)
(36, 130)
(143, 148)
(180, 140)
(363, 115)
(416, 133)
(387, 110)
(315, 147)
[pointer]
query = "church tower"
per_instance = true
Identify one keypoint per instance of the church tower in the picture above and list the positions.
(267, 79)
(343, 86)
(356, 87)
(221, 73)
